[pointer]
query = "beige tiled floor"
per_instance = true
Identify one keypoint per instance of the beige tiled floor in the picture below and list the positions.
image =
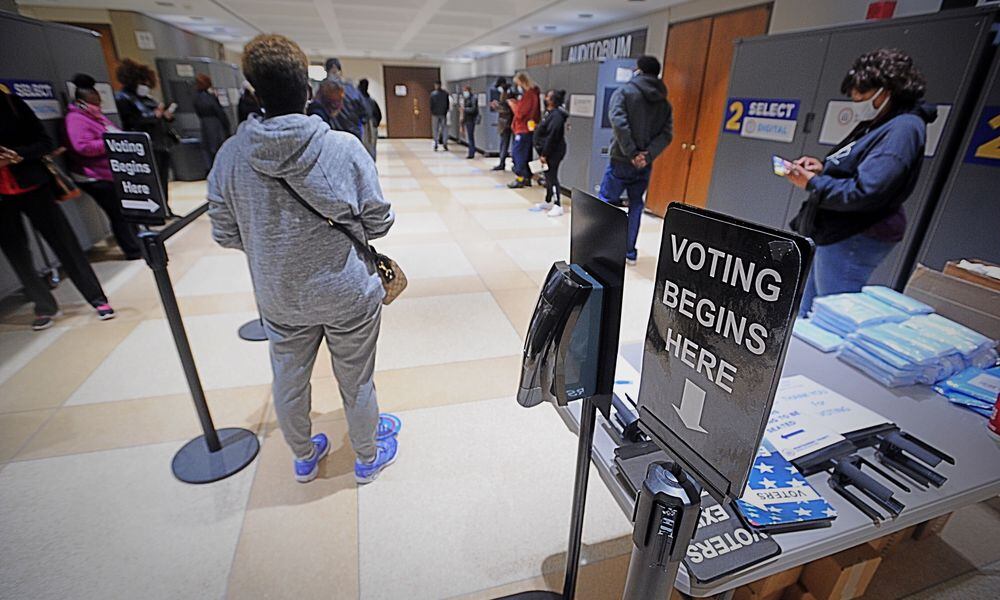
(91, 414)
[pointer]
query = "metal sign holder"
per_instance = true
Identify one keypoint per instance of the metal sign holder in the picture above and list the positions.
(253, 331)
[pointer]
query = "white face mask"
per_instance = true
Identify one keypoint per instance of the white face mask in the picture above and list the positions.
(142, 90)
(466, 94)
(865, 110)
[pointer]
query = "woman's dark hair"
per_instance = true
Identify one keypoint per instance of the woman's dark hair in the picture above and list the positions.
(363, 87)
(202, 82)
(558, 97)
(84, 85)
(887, 68)
(279, 72)
(132, 74)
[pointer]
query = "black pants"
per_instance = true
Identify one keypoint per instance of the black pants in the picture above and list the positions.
(163, 167)
(41, 209)
(126, 234)
(504, 148)
(552, 190)
(470, 138)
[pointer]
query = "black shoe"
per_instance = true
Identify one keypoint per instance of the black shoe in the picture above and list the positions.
(44, 321)
(133, 256)
(499, 168)
(469, 157)
(516, 185)
(446, 147)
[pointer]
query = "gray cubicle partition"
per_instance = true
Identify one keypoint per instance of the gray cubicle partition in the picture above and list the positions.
(487, 137)
(177, 76)
(53, 53)
(805, 69)
(966, 222)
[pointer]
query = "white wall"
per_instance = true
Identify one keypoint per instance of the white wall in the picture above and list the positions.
(790, 15)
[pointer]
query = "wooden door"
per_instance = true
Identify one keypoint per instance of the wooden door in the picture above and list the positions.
(683, 72)
(696, 67)
(726, 29)
(407, 99)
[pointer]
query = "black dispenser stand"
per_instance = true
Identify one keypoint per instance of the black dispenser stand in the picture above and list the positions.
(216, 454)
(666, 516)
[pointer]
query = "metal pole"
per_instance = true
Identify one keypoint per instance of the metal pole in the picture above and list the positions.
(588, 417)
(156, 258)
(666, 516)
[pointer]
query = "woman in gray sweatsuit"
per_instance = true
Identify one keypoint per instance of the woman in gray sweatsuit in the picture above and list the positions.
(310, 281)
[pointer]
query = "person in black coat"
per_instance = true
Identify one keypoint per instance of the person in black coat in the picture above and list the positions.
(470, 115)
(214, 120)
(328, 103)
(139, 112)
(550, 144)
(26, 190)
(370, 137)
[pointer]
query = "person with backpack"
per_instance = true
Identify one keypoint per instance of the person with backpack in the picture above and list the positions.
(370, 137)
(550, 144)
(642, 122)
(501, 93)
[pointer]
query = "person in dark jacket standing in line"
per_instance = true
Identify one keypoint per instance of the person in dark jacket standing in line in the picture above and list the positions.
(214, 120)
(374, 119)
(643, 124)
(352, 117)
(504, 118)
(439, 116)
(26, 190)
(550, 144)
(854, 212)
(526, 111)
(328, 103)
(248, 104)
(140, 112)
(470, 114)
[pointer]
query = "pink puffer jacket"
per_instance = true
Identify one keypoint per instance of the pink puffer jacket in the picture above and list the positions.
(85, 134)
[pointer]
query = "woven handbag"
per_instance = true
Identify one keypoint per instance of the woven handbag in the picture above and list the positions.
(393, 279)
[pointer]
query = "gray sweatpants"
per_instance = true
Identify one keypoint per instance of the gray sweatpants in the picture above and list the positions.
(352, 350)
(439, 128)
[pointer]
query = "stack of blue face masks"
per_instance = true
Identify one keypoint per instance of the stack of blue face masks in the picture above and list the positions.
(816, 336)
(844, 314)
(974, 388)
(977, 349)
(902, 355)
(910, 306)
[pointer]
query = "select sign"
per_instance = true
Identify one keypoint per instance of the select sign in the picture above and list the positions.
(130, 156)
(726, 296)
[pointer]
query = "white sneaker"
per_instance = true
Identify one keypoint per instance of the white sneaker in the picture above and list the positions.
(557, 211)
(541, 206)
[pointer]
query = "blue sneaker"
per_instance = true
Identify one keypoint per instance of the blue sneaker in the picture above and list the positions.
(307, 470)
(388, 426)
(386, 455)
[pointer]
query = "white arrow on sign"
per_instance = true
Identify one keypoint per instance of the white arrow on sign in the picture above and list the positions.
(692, 403)
(146, 204)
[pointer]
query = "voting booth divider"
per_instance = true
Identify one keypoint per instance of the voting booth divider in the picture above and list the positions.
(217, 453)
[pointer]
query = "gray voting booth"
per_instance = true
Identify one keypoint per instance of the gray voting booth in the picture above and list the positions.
(57, 53)
(589, 86)
(177, 76)
(803, 71)
(487, 136)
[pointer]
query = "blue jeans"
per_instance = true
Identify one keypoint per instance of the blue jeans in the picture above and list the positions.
(521, 153)
(623, 177)
(470, 137)
(844, 266)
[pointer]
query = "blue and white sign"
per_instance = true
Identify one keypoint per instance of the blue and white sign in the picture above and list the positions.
(39, 95)
(772, 119)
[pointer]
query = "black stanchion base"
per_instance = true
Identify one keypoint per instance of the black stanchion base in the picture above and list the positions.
(194, 463)
(534, 596)
(253, 331)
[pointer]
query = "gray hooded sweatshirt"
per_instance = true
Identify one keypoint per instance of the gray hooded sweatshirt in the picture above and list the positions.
(304, 271)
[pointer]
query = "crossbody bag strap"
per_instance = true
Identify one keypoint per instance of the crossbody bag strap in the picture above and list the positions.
(329, 221)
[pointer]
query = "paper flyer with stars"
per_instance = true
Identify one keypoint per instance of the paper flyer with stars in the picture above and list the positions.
(778, 497)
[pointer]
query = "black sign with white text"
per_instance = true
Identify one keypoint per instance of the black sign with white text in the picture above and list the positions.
(724, 302)
(136, 181)
(631, 44)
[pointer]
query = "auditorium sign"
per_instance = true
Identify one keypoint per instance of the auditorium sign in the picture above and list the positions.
(631, 44)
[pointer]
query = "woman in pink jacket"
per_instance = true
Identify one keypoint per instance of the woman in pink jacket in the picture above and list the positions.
(85, 127)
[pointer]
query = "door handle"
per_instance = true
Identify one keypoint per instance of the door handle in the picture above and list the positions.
(684, 146)
(692, 147)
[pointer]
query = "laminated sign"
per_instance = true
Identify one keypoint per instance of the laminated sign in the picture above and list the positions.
(726, 296)
(133, 167)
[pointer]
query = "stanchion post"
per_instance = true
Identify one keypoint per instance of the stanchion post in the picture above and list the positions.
(666, 516)
(156, 258)
(588, 418)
